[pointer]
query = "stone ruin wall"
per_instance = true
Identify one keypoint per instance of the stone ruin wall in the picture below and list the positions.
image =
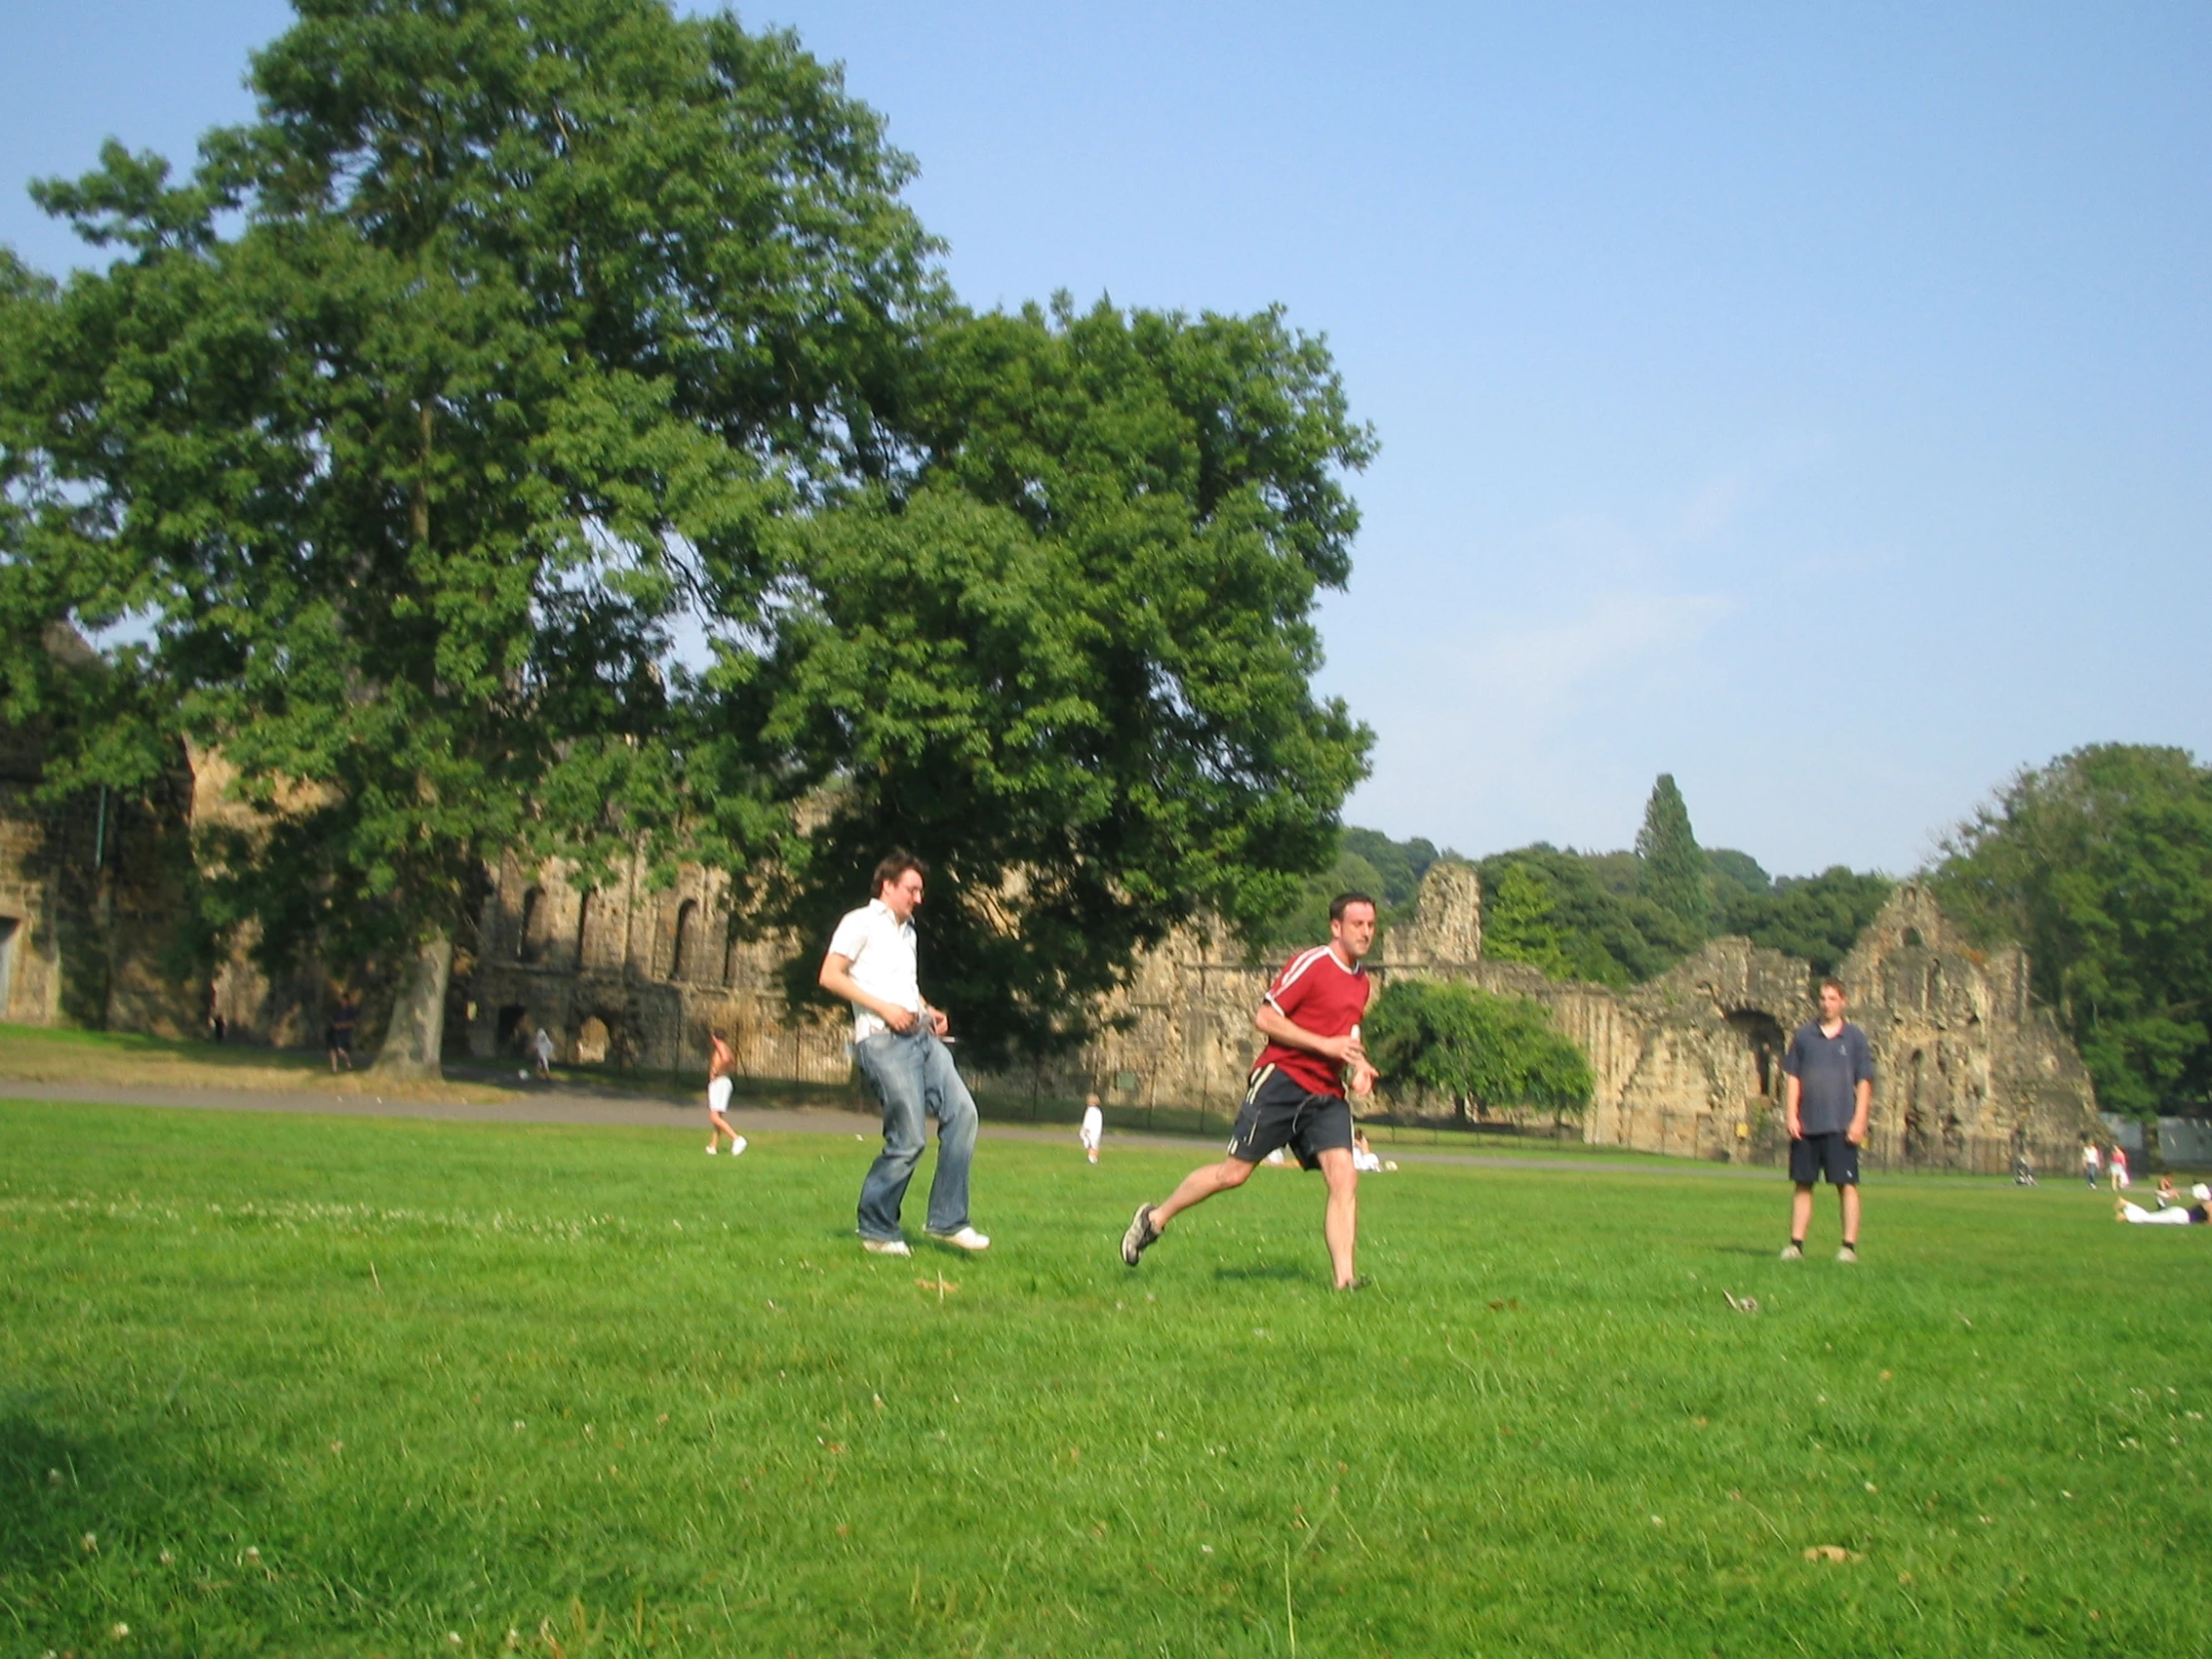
(1689, 1064)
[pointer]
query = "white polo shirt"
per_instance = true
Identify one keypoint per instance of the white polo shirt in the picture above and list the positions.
(880, 949)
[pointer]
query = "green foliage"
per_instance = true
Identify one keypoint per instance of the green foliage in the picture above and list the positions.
(2100, 863)
(1367, 861)
(1818, 917)
(1398, 865)
(1069, 664)
(1735, 872)
(1552, 910)
(1474, 1048)
(1674, 875)
(532, 319)
(1620, 872)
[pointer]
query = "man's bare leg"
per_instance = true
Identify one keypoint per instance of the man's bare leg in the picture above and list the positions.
(1801, 1210)
(1341, 1221)
(1200, 1185)
(1849, 1192)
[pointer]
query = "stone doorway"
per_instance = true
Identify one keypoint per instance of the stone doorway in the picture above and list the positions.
(1763, 1038)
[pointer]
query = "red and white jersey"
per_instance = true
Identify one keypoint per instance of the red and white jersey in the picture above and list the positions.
(1318, 993)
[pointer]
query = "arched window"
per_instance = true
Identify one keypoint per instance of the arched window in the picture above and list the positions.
(530, 936)
(685, 961)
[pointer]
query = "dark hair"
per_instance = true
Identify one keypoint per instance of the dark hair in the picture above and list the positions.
(895, 864)
(1336, 905)
(1838, 983)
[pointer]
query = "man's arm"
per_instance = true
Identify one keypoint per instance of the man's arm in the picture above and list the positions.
(1857, 1133)
(837, 978)
(1277, 1026)
(1792, 1092)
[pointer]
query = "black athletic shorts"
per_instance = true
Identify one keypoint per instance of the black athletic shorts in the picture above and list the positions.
(1828, 1155)
(1279, 1112)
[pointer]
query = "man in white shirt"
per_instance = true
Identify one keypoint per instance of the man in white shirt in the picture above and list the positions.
(898, 1040)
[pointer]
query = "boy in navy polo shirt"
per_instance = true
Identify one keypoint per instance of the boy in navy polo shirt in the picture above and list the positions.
(1296, 1095)
(1830, 1092)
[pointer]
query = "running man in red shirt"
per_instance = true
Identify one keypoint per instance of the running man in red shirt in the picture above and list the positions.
(1296, 1097)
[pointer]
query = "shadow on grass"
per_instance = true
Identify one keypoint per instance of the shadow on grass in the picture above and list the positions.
(1281, 1272)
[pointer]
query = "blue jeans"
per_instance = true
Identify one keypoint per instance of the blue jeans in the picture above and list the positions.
(914, 1078)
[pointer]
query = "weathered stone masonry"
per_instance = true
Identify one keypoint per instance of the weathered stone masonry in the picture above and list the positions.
(624, 975)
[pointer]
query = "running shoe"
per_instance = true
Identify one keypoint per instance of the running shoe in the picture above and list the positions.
(1142, 1236)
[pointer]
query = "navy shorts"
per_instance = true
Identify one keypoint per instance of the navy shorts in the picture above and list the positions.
(1278, 1110)
(1830, 1155)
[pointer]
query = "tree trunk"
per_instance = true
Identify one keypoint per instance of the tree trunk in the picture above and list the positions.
(417, 1034)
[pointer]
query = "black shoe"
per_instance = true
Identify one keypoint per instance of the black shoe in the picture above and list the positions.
(1142, 1236)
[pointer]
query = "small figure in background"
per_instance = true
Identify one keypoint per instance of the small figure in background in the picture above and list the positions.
(1094, 1127)
(2121, 1180)
(2167, 1197)
(720, 1069)
(2023, 1171)
(2091, 1164)
(1363, 1157)
(338, 1036)
(541, 1049)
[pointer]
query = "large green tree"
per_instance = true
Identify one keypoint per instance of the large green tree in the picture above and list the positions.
(415, 418)
(1474, 1048)
(2100, 863)
(1069, 659)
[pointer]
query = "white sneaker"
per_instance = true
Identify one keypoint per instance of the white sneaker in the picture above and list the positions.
(885, 1247)
(712, 1147)
(967, 1239)
(739, 1145)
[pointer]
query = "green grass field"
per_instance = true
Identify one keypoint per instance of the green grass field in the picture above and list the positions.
(279, 1384)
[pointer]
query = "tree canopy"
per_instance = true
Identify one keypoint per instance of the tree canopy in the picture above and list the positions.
(1367, 861)
(504, 346)
(1069, 661)
(1818, 917)
(1552, 910)
(1478, 1050)
(2100, 863)
(532, 319)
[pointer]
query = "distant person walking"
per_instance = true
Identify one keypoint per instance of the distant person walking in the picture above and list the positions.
(1296, 1096)
(1827, 1098)
(339, 1034)
(898, 1042)
(1093, 1132)
(2121, 1180)
(2090, 1163)
(721, 1065)
(541, 1049)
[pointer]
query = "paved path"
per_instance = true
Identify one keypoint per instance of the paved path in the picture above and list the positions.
(584, 1104)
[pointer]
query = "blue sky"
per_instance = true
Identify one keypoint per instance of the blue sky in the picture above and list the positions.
(1813, 402)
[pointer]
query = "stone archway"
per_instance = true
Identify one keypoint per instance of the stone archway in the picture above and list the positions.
(1765, 1040)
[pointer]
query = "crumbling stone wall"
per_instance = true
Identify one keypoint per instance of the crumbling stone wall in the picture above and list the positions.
(1689, 1064)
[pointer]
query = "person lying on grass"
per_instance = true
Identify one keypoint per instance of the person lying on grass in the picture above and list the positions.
(1296, 1097)
(2173, 1215)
